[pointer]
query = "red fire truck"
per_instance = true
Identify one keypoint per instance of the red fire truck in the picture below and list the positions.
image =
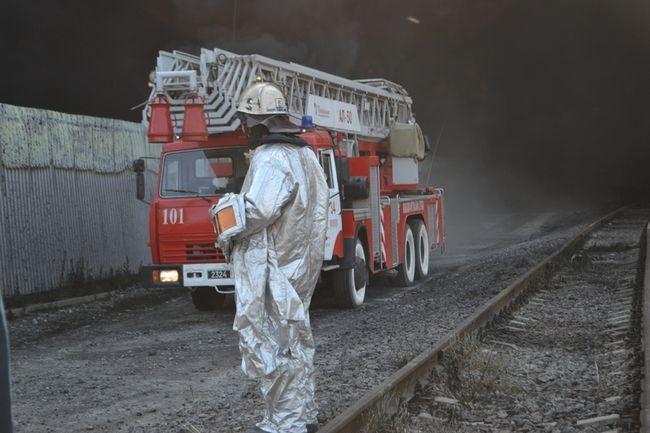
(363, 132)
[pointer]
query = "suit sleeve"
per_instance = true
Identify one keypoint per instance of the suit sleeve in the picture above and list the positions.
(271, 187)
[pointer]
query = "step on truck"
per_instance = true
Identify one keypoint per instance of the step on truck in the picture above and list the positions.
(362, 131)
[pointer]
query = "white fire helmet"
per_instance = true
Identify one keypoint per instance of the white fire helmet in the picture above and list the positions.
(262, 99)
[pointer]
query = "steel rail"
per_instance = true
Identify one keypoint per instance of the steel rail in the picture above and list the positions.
(399, 387)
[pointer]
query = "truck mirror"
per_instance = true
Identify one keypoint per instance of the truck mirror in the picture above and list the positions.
(139, 186)
(139, 165)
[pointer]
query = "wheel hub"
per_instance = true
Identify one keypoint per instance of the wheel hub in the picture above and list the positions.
(360, 273)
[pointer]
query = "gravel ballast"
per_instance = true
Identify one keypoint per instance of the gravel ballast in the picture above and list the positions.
(568, 360)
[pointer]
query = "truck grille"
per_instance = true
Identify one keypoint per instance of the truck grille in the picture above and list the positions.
(189, 248)
(203, 253)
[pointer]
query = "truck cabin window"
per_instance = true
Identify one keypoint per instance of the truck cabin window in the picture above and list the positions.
(202, 173)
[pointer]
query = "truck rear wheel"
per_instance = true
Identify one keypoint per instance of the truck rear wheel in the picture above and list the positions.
(406, 269)
(350, 284)
(422, 249)
(207, 299)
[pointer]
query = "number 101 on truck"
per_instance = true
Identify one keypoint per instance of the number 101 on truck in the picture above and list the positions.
(363, 133)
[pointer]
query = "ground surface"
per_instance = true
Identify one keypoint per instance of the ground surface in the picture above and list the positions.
(568, 360)
(146, 361)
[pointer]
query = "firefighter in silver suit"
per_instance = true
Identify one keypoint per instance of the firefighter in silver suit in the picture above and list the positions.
(276, 254)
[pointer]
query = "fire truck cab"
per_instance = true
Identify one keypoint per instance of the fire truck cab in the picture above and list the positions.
(380, 217)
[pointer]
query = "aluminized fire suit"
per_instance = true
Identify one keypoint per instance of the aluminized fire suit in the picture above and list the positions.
(276, 262)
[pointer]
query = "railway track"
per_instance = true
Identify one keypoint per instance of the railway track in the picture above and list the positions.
(559, 350)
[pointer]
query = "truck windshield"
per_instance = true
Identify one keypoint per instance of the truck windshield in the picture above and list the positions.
(202, 172)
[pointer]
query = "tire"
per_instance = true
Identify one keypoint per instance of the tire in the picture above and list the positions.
(422, 249)
(406, 269)
(207, 299)
(350, 284)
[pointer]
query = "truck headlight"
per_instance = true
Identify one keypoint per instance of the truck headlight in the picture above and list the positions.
(170, 276)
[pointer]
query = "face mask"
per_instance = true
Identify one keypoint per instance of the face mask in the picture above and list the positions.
(255, 135)
(253, 130)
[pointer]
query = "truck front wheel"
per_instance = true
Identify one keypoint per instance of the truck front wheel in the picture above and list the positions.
(350, 284)
(207, 299)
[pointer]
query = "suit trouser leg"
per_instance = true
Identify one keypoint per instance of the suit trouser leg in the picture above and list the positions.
(288, 392)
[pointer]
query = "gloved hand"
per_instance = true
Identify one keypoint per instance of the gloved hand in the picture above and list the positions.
(225, 245)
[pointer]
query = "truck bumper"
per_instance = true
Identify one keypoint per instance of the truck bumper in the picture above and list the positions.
(217, 275)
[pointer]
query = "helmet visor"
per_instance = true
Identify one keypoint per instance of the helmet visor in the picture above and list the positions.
(278, 123)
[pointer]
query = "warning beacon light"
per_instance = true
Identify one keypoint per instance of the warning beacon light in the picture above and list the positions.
(307, 122)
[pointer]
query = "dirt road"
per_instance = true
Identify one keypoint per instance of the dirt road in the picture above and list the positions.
(146, 361)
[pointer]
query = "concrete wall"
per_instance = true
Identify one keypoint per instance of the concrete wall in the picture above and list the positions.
(67, 198)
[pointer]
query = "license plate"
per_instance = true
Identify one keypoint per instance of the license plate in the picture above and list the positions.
(218, 274)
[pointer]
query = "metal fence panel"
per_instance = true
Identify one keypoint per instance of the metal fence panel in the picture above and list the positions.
(61, 214)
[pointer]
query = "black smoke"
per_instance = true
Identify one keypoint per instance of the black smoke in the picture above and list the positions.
(537, 98)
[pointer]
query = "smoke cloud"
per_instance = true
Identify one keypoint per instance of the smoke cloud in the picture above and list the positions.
(537, 99)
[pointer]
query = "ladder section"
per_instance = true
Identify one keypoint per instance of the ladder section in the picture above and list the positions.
(219, 77)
